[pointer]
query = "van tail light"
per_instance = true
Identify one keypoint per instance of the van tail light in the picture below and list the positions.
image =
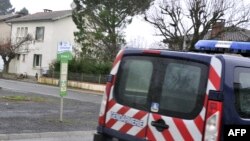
(103, 108)
(110, 82)
(213, 121)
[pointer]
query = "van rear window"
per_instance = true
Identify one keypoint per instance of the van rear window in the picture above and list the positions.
(242, 91)
(180, 89)
(177, 85)
(134, 82)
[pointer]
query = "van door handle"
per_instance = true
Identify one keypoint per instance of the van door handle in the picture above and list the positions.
(160, 125)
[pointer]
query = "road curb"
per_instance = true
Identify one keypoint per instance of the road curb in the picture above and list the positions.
(45, 135)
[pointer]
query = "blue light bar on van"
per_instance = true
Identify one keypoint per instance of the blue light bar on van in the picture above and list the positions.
(223, 46)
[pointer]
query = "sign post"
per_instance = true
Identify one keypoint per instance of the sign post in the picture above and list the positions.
(64, 54)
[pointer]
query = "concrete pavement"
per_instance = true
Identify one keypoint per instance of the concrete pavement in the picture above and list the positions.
(85, 96)
(50, 136)
(76, 94)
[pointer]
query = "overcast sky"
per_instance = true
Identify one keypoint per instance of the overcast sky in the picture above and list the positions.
(139, 29)
(38, 5)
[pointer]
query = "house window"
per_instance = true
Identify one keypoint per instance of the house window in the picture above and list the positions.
(37, 61)
(21, 33)
(25, 31)
(18, 57)
(39, 33)
(23, 57)
(18, 32)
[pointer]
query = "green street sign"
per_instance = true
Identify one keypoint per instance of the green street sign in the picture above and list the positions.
(64, 56)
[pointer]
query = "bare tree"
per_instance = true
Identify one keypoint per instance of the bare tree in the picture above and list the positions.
(9, 50)
(192, 19)
(138, 42)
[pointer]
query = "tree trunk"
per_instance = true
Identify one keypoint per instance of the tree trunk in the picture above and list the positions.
(6, 64)
(6, 67)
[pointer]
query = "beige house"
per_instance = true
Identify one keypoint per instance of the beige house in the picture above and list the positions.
(48, 28)
(5, 30)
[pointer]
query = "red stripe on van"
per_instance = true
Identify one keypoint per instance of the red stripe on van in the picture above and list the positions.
(141, 134)
(150, 135)
(156, 117)
(111, 104)
(167, 135)
(183, 129)
(118, 58)
(122, 111)
(199, 123)
(139, 115)
(214, 78)
(108, 88)
(125, 128)
(152, 51)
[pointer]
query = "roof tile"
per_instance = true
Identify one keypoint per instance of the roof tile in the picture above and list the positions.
(41, 16)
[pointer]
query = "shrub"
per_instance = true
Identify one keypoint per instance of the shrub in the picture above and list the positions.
(87, 66)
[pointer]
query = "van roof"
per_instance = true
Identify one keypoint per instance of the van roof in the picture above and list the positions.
(234, 58)
(175, 54)
(226, 56)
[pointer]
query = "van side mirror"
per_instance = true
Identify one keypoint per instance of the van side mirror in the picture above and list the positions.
(215, 95)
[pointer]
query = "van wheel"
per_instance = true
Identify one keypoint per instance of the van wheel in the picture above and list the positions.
(101, 137)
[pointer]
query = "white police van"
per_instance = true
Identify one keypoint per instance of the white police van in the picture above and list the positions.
(159, 95)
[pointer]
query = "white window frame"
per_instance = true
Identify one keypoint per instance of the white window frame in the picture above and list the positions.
(21, 33)
(37, 60)
(40, 36)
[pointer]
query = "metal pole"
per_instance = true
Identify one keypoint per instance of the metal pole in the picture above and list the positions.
(100, 79)
(61, 110)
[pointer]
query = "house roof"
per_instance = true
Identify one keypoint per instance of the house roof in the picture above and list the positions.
(232, 34)
(43, 16)
(8, 17)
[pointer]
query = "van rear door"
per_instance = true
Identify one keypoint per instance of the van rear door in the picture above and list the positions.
(160, 97)
(127, 112)
(180, 99)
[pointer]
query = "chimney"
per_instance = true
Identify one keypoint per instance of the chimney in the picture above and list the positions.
(217, 27)
(47, 10)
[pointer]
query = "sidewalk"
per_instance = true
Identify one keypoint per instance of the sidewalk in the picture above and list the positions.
(85, 86)
(50, 136)
(36, 118)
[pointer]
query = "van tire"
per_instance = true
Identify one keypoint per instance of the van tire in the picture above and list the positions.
(101, 137)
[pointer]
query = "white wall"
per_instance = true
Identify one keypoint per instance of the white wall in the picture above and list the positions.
(55, 31)
(1, 64)
(5, 30)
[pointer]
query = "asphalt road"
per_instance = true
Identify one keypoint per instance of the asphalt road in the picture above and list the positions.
(26, 87)
(35, 118)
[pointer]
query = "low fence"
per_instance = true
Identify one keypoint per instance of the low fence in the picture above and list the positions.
(81, 77)
(54, 81)
(73, 84)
